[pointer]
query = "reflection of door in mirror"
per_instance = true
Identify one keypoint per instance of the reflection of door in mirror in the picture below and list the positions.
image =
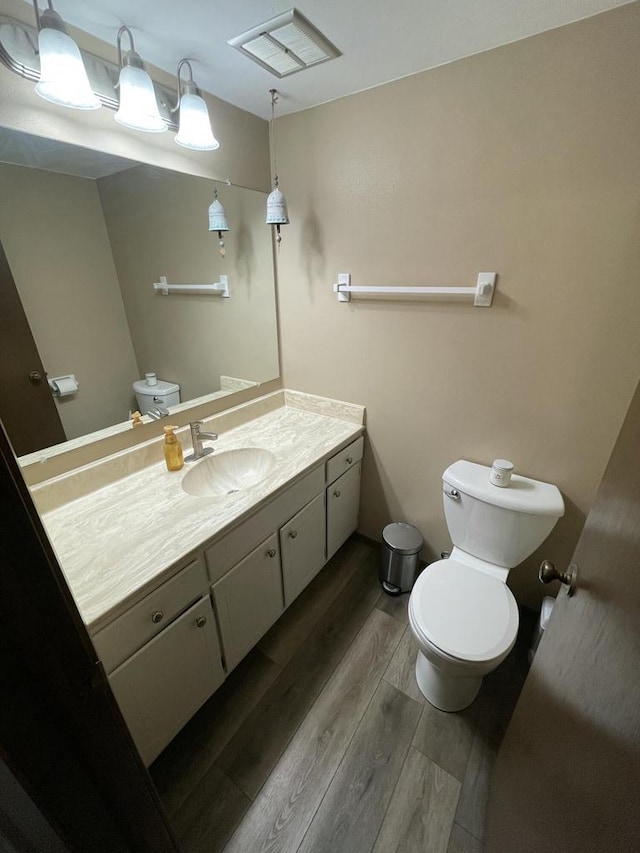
(27, 409)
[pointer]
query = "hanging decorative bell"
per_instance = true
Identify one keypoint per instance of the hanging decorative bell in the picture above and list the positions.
(218, 221)
(277, 210)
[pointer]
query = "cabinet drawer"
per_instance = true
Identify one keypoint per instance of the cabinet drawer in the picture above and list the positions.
(133, 629)
(225, 553)
(344, 460)
(248, 600)
(343, 504)
(162, 686)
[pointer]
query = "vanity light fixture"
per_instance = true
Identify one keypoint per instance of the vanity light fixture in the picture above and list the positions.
(218, 221)
(63, 77)
(277, 213)
(195, 127)
(138, 105)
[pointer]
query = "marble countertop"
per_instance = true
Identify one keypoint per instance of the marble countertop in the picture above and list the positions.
(120, 542)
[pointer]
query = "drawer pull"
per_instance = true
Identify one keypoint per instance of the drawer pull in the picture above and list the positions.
(201, 621)
(157, 616)
(336, 494)
(271, 553)
(293, 534)
(349, 460)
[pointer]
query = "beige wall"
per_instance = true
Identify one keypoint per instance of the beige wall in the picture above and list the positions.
(54, 235)
(243, 156)
(158, 225)
(522, 160)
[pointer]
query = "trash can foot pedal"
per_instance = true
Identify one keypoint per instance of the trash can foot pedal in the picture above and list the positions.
(390, 589)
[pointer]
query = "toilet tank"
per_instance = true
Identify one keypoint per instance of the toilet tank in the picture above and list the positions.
(500, 525)
(156, 393)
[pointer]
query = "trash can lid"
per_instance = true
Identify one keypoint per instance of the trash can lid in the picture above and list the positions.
(403, 538)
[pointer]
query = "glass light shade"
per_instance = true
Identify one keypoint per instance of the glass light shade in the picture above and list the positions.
(195, 128)
(63, 78)
(138, 105)
(277, 213)
(217, 217)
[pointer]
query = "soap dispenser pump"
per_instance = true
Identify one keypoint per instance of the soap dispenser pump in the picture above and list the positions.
(172, 449)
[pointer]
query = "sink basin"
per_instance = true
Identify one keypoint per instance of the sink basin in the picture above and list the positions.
(228, 472)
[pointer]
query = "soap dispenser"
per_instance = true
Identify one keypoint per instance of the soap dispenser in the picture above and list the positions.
(172, 449)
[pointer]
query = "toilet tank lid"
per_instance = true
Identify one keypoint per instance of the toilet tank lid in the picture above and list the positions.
(522, 495)
(158, 390)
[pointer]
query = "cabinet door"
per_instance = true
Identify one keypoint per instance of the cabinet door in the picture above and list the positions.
(248, 600)
(160, 687)
(343, 503)
(302, 544)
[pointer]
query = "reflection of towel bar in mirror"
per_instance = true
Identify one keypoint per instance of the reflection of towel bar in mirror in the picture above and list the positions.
(221, 287)
(482, 293)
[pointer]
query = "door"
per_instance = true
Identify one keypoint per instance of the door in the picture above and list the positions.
(567, 778)
(27, 408)
(302, 544)
(61, 733)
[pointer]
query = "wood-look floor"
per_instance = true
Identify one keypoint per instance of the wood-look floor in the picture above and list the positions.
(321, 742)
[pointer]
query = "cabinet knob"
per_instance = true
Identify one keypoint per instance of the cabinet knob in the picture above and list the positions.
(157, 616)
(349, 460)
(271, 553)
(201, 621)
(35, 376)
(336, 494)
(293, 534)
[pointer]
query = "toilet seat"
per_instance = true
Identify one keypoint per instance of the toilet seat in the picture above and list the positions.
(464, 613)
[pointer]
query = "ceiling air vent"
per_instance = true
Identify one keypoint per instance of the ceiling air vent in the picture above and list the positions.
(285, 44)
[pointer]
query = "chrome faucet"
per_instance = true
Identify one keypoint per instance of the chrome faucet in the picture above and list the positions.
(197, 437)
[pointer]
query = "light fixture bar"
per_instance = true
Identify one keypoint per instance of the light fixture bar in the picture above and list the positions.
(18, 54)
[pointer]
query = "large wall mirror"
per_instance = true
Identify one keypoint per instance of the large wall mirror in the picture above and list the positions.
(84, 235)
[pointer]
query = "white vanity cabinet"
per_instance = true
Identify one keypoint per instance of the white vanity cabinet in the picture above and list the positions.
(343, 495)
(296, 533)
(163, 658)
(170, 651)
(163, 684)
(248, 600)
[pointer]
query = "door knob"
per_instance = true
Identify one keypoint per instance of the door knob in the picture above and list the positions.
(548, 573)
(35, 376)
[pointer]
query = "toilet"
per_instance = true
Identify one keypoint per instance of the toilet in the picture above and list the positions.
(152, 391)
(461, 611)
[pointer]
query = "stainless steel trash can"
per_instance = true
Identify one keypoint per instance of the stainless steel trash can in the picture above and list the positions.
(401, 545)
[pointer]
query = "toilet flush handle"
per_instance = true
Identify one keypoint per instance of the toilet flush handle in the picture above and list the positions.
(454, 494)
(548, 573)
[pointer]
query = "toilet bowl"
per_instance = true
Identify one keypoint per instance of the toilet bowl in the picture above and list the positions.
(461, 611)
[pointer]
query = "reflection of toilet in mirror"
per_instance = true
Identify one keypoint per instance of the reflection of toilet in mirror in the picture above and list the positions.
(461, 611)
(152, 391)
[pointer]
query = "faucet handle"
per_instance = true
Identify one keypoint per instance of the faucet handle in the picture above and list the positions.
(195, 426)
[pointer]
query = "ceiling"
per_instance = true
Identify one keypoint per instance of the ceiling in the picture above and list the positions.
(381, 40)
